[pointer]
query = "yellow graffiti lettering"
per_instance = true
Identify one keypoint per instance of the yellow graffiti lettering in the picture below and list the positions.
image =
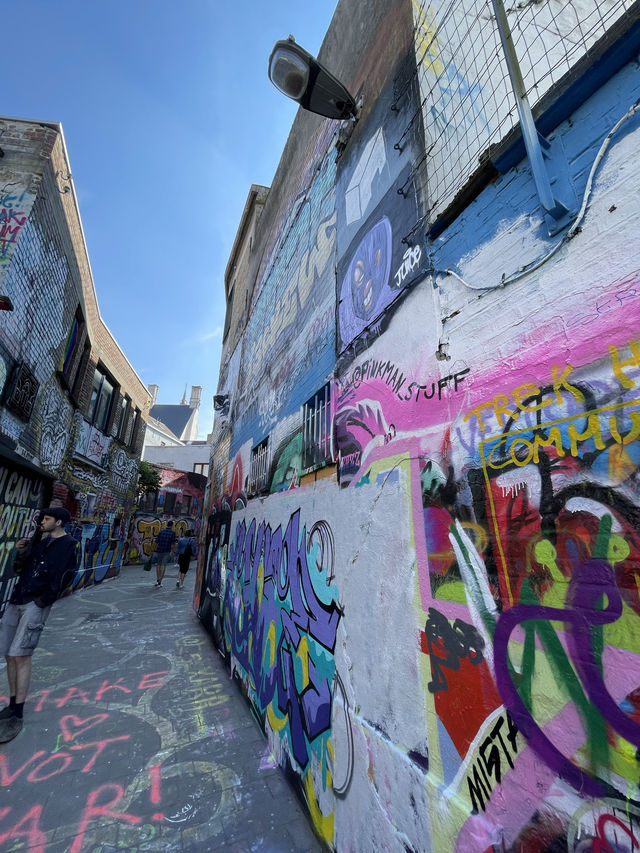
(498, 446)
(476, 412)
(303, 655)
(270, 645)
(323, 823)
(524, 392)
(521, 442)
(555, 438)
(561, 382)
(427, 49)
(633, 433)
(276, 723)
(619, 364)
(148, 530)
(592, 431)
(314, 262)
(500, 409)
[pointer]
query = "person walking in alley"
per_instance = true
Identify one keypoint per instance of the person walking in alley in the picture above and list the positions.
(165, 542)
(186, 551)
(45, 568)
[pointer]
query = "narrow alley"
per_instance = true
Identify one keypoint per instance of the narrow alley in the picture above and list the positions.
(136, 739)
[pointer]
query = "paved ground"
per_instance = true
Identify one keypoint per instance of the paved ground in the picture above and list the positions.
(135, 738)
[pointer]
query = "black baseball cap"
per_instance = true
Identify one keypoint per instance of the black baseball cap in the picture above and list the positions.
(57, 512)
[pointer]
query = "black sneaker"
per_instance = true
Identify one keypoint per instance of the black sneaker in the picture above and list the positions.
(6, 713)
(10, 728)
(177, 584)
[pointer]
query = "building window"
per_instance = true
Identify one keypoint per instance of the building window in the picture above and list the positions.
(186, 504)
(75, 338)
(132, 426)
(169, 503)
(125, 413)
(78, 381)
(201, 468)
(149, 502)
(102, 392)
(259, 474)
(128, 421)
(316, 429)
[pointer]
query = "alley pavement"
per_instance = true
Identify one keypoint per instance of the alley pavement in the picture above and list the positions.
(136, 739)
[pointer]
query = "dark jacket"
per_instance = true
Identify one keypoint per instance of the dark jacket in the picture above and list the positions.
(45, 570)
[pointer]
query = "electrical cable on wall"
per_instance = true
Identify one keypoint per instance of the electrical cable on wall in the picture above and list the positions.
(571, 233)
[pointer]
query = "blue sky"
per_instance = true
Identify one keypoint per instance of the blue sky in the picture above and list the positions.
(169, 117)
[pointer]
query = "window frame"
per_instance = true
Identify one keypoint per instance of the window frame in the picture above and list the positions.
(149, 501)
(72, 355)
(93, 416)
(259, 468)
(125, 415)
(171, 499)
(317, 432)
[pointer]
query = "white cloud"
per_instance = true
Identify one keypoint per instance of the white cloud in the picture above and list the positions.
(202, 338)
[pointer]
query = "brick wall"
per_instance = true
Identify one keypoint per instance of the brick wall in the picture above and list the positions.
(44, 268)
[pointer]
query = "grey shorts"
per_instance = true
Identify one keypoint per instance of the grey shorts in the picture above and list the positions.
(20, 628)
(163, 557)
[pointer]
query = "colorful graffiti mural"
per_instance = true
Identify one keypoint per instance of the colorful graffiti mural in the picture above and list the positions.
(527, 551)
(268, 600)
(449, 661)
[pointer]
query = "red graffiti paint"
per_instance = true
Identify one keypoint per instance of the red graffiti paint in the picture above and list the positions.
(7, 778)
(43, 766)
(601, 843)
(155, 772)
(71, 726)
(99, 746)
(152, 679)
(94, 810)
(75, 694)
(106, 687)
(51, 766)
(28, 829)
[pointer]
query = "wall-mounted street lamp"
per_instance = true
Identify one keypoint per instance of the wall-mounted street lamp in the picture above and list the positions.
(300, 76)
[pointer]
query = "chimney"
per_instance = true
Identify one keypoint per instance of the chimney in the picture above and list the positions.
(196, 393)
(153, 390)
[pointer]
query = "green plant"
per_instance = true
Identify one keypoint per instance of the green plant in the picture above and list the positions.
(148, 479)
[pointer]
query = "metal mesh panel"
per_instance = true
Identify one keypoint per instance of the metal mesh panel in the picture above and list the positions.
(259, 475)
(551, 36)
(316, 429)
(467, 103)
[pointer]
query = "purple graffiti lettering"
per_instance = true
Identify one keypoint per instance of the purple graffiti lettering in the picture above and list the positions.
(592, 583)
(266, 631)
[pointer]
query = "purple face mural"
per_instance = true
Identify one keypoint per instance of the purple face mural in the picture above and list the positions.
(366, 279)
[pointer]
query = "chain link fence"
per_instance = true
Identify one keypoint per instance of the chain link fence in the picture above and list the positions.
(467, 102)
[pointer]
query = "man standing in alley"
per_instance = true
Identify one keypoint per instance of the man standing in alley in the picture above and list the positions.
(45, 568)
(165, 541)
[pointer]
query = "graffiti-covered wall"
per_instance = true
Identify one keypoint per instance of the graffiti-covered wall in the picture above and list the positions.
(179, 499)
(57, 442)
(441, 636)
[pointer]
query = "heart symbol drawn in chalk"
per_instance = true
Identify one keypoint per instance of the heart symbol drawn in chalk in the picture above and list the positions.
(71, 726)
